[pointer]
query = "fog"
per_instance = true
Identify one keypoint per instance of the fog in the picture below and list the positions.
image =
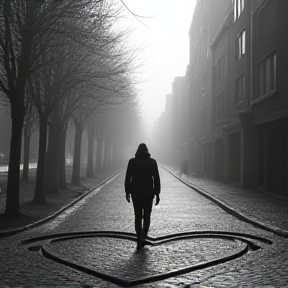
(217, 117)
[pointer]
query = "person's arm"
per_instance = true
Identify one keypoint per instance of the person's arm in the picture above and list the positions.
(127, 182)
(157, 183)
(156, 177)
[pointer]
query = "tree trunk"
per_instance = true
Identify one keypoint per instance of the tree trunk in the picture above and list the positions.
(52, 156)
(12, 209)
(114, 154)
(90, 153)
(62, 160)
(39, 195)
(27, 136)
(99, 155)
(77, 155)
(16, 88)
(107, 154)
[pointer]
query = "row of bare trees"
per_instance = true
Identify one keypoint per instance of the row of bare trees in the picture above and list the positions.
(59, 60)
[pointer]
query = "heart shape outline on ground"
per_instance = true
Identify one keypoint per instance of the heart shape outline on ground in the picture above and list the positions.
(244, 244)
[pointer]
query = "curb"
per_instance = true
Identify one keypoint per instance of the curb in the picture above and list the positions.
(232, 211)
(42, 221)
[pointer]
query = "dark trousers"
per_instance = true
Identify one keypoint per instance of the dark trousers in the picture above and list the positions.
(142, 210)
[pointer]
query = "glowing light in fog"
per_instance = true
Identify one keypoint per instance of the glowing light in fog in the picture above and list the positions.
(166, 48)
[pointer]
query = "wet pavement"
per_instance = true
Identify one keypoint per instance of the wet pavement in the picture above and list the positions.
(191, 241)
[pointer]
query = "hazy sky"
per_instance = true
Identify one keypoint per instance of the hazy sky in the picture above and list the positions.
(166, 43)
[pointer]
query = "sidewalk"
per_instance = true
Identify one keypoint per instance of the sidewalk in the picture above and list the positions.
(32, 213)
(263, 209)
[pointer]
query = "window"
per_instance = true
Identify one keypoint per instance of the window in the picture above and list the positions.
(240, 89)
(219, 106)
(239, 6)
(240, 45)
(267, 75)
(222, 68)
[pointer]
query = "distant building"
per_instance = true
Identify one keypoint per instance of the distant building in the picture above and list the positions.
(207, 19)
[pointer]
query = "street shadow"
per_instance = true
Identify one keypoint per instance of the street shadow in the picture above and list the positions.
(139, 259)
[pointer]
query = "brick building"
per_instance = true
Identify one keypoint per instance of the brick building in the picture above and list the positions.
(236, 91)
(207, 19)
(269, 95)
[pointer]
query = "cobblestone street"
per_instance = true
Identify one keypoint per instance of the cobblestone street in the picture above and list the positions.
(187, 230)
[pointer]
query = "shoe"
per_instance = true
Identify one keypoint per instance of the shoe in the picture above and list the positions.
(140, 242)
(139, 246)
(143, 240)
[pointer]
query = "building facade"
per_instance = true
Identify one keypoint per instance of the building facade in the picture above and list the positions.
(234, 125)
(207, 19)
(269, 95)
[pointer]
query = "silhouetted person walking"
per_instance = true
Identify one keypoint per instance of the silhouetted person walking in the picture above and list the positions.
(142, 182)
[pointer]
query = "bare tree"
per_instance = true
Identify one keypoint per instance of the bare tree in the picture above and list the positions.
(65, 66)
(30, 126)
(90, 124)
(79, 116)
(26, 30)
(116, 127)
(96, 70)
(34, 35)
(16, 37)
(61, 178)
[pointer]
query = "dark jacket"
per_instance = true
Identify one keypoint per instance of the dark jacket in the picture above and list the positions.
(142, 175)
